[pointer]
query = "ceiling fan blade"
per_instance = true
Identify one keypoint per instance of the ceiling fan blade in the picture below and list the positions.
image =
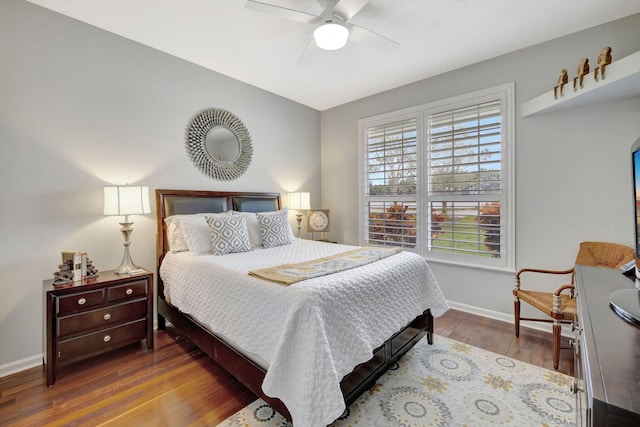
(347, 8)
(284, 12)
(308, 54)
(372, 39)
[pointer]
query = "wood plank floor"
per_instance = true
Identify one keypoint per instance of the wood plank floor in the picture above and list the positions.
(177, 385)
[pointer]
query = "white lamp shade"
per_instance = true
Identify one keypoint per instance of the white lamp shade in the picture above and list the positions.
(300, 201)
(331, 36)
(126, 200)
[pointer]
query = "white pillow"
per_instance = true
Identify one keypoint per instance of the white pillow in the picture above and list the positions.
(252, 228)
(275, 228)
(196, 231)
(175, 237)
(228, 234)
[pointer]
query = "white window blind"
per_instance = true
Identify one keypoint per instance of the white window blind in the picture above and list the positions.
(390, 178)
(465, 180)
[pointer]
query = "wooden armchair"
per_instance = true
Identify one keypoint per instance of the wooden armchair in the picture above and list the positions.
(560, 306)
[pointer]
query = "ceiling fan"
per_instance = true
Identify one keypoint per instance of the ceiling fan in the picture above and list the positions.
(333, 26)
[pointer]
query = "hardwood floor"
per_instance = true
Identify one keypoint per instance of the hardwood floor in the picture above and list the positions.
(177, 385)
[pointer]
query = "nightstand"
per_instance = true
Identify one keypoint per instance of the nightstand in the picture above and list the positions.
(84, 319)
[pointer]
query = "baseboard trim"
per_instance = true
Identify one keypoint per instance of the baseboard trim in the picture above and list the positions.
(496, 315)
(20, 365)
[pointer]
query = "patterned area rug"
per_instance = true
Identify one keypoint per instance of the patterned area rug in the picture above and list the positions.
(448, 384)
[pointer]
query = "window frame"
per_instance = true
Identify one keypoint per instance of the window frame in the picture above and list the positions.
(503, 93)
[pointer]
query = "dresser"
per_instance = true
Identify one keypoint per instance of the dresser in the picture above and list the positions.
(607, 353)
(84, 319)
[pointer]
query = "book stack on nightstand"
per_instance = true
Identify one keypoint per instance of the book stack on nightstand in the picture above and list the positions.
(86, 318)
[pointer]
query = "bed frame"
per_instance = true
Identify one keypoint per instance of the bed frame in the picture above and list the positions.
(363, 377)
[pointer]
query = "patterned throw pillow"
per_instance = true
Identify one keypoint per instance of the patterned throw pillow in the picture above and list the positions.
(228, 234)
(274, 229)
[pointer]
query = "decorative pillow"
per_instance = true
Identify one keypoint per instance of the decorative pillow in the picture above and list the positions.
(196, 231)
(228, 234)
(175, 237)
(274, 228)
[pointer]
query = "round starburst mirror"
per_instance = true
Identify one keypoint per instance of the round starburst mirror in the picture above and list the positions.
(219, 144)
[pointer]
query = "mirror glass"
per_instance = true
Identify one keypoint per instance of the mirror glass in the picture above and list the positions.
(222, 145)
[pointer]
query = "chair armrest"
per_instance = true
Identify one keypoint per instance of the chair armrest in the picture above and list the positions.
(563, 288)
(571, 271)
(557, 301)
(536, 270)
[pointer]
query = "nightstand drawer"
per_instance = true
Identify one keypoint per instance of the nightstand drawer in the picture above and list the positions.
(80, 301)
(129, 290)
(103, 340)
(101, 318)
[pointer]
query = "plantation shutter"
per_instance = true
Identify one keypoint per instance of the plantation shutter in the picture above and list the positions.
(390, 183)
(465, 182)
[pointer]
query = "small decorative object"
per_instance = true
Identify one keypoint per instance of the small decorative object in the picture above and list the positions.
(318, 221)
(83, 265)
(563, 79)
(77, 266)
(67, 255)
(66, 270)
(126, 200)
(583, 70)
(604, 59)
(299, 202)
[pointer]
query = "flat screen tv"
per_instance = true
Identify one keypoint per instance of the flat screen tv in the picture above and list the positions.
(635, 170)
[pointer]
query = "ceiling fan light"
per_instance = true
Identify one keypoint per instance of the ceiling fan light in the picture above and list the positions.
(331, 36)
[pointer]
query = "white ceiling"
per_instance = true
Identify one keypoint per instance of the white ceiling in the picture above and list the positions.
(435, 36)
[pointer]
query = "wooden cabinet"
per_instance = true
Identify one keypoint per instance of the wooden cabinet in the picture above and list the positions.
(94, 316)
(607, 351)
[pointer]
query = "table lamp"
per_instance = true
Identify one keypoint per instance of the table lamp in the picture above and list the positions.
(299, 201)
(126, 200)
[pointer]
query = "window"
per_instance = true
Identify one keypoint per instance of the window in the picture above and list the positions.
(437, 179)
(391, 171)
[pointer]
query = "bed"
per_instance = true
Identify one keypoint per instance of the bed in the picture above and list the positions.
(326, 339)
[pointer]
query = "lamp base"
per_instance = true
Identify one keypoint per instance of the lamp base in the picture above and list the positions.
(126, 265)
(299, 220)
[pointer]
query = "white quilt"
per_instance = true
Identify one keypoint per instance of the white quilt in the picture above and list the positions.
(312, 333)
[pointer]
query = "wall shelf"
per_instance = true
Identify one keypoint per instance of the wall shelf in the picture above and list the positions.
(622, 80)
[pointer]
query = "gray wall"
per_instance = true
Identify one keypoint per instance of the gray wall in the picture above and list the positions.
(81, 108)
(573, 180)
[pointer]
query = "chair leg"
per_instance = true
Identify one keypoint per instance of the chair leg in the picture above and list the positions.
(516, 315)
(557, 333)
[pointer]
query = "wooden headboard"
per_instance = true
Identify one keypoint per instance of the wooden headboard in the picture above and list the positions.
(184, 202)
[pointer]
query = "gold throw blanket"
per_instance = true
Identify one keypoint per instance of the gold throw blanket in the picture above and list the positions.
(288, 274)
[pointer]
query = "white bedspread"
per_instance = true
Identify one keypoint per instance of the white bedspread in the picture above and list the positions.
(311, 333)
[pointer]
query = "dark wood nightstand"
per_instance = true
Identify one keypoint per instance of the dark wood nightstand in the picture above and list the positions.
(84, 319)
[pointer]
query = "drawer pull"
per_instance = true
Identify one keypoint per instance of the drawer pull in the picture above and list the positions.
(82, 301)
(129, 291)
(106, 338)
(107, 316)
